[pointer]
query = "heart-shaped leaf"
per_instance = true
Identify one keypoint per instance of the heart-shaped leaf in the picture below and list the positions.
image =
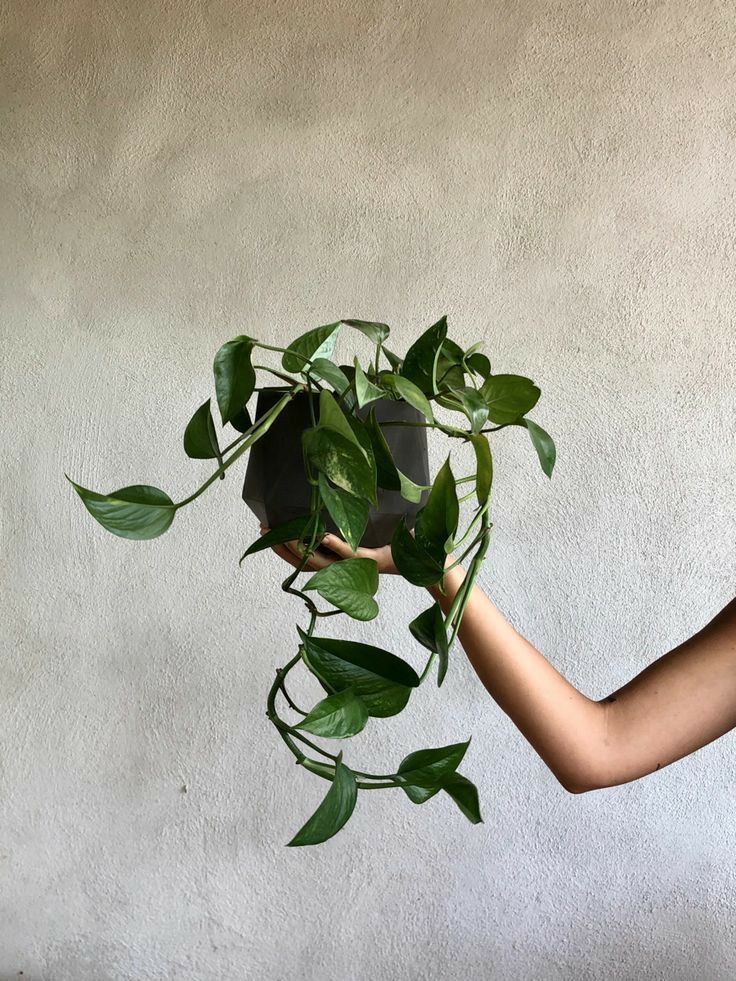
(479, 364)
(349, 513)
(332, 417)
(437, 521)
(409, 392)
(338, 716)
(393, 359)
(420, 361)
(543, 444)
(350, 585)
(365, 390)
(409, 490)
(382, 680)
(297, 529)
(465, 795)
(334, 811)
(375, 331)
(242, 421)
(200, 436)
(508, 397)
(419, 795)
(316, 343)
(450, 366)
(428, 768)
(414, 563)
(235, 377)
(387, 474)
(139, 512)
(327, 371)
(484, 467)
(429, 629)
(343, 461)
(474, 407)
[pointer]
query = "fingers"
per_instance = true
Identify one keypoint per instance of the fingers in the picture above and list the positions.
(316, 560)
(291, 553)
(283, 552)
(340, 547)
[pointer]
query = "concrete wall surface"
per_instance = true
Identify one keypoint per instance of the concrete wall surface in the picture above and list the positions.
(556, 177)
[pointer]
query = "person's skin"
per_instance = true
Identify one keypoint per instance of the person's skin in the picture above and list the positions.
(676, 705)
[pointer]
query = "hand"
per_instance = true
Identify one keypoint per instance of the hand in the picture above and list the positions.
(332, 549)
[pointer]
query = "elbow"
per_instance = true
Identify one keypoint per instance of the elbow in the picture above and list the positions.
(584, 778)
(578, 786)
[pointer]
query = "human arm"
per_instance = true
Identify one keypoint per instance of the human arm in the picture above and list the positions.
(676, 705)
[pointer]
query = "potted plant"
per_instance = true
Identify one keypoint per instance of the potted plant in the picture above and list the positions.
(343, 446)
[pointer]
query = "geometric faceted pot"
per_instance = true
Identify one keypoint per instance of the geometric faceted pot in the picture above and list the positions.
(276, 487)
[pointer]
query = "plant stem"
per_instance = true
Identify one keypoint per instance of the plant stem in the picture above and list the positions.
(278, 374)
(263, 425)
(455, 614)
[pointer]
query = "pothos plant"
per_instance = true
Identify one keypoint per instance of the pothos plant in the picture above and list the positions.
(346, 459)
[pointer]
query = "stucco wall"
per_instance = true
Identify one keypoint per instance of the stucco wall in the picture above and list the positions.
(558, 178)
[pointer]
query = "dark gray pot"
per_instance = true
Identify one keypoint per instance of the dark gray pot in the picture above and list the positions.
(276, 487)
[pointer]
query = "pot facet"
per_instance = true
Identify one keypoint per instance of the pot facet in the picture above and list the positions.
(276, 487)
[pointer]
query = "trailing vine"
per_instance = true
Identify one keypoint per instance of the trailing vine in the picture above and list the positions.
(347, 462)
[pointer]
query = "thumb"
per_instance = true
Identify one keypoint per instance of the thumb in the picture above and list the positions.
(338, 546)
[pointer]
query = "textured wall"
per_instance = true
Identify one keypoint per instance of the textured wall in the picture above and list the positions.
(558, 178)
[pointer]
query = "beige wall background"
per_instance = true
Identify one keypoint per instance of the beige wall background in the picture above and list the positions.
(558, 178)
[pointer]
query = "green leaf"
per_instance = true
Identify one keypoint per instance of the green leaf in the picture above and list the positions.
(508, 397)
(484, 467)
(350, 585)
(365, 390)
(297, 529)
(479, 364)
(139, 512)
(420, 361)
(393, 359)
(428, 768)
(437, 521)
(375, 331)
(362, 435)
(332, 417)
(419, 795)
(387, 475)
(410, 393)
(465, 795)
(341, 460)
(450, 366)
(200, 436)
(338, 716)
(235, 377)
(316, 343)
(543, 444)
(414, 563)
(409, 490)
(349, 513)
(241, 421)
(334, 811)
(381, 679)
(325, 370)
(474, 407)
(429, 629)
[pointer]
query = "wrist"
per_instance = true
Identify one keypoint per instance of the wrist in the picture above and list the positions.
(453, 579)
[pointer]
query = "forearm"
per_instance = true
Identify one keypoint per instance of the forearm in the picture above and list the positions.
(677, 704)
(565, 727)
